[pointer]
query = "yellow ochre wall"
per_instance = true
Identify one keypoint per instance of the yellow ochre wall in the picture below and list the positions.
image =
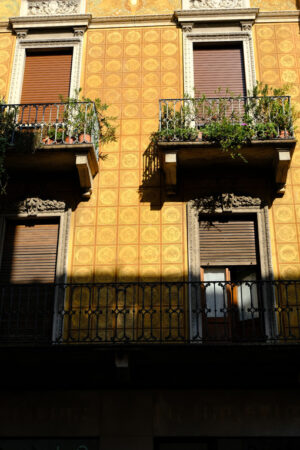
(9, 8)
(115, 235)
(6, 54)
(127, 7)
(278, 63)
(275, 5)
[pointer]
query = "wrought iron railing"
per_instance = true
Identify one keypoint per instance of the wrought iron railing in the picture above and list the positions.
(151, 313)
(52, 123)
(185, 119)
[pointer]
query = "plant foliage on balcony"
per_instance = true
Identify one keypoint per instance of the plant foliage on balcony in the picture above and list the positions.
(229, 122)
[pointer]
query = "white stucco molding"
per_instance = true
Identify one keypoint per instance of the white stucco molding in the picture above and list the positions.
(194, 36)
(24, 43)
(215, 15)
(215, 4)
(52, 7)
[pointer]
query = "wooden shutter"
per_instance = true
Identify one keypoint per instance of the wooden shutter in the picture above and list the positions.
(47, 75)
(219, 67)
(228, 243)
(29, 252)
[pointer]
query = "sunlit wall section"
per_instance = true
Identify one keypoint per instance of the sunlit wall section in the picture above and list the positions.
(121, 233)
(275, 5)
(127, 7)
(9, 8)
(6, 54)
(278, 63)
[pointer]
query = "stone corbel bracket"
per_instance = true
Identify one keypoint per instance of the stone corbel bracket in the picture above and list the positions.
(282, 162)
(169, 166)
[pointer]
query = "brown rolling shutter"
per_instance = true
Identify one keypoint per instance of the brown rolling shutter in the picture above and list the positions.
(228, 243)
(219, 67)
(47, 75)
(29, 252)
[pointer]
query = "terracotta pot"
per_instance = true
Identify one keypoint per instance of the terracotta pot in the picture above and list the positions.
(47, 141)
(85, 138)
(200, 135)
(69, 140)
(284, 134)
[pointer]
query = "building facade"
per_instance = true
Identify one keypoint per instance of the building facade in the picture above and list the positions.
(149, 292)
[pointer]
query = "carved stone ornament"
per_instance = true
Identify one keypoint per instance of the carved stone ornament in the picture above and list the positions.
(225, 202)
(187, 28)
(53, 7)
(22, 34)
(214, 4)
(246, 26)
(34, 205)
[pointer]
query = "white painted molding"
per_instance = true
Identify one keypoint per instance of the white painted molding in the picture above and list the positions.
(215, 4)
(192, 37)
(19, 62)
(52, 7)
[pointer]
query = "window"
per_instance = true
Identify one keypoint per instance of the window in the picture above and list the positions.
(47, 75)
(219, 66)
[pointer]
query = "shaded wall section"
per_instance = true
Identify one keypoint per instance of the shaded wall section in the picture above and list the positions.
(128, 7)
(117, 235)
(278, 63)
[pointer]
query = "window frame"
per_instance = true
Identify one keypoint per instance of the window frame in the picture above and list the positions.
(264, 253)
(25, 43)
(191, 37)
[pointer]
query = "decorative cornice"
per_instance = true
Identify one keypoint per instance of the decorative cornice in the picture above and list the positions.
(225, 202)
(215, 15)
(32, 206)
(278, 17)
(126, 21)
(66, 21)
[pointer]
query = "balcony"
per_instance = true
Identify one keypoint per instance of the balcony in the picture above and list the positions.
(140, 314)
(53, 138)
(193, 133)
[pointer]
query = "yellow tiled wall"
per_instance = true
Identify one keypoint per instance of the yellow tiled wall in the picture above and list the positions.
(127, 7)
(9, 8)
(278, 63)
(116, 233)
(6, 55)
(275, 5)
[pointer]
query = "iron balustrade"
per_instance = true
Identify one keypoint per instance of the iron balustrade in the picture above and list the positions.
(53, 123)
(151, 313)
(269, 117)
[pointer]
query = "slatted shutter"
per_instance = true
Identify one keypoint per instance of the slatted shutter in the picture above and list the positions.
(47, 75)
(228, 243)
(219, 67)
(29, 252)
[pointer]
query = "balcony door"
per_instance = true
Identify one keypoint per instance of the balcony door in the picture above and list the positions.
(231, 302)
(27, 277)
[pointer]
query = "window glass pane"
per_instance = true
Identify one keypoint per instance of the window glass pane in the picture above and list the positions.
(215, 291)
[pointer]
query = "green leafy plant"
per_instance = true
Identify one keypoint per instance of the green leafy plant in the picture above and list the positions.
(7, 130)
(83, 115)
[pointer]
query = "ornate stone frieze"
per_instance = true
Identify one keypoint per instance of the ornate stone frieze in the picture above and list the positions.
(33, 206)
(52, 7)
(225, 202)
(213, 4)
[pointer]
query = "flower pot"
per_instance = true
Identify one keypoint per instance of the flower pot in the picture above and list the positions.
(200, 136)
(85, 138)
(47, 141)
(69, 140)
(284, 134)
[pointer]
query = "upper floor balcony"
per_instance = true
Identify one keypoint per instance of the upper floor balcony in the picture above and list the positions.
(227, 133)
(53, 138)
